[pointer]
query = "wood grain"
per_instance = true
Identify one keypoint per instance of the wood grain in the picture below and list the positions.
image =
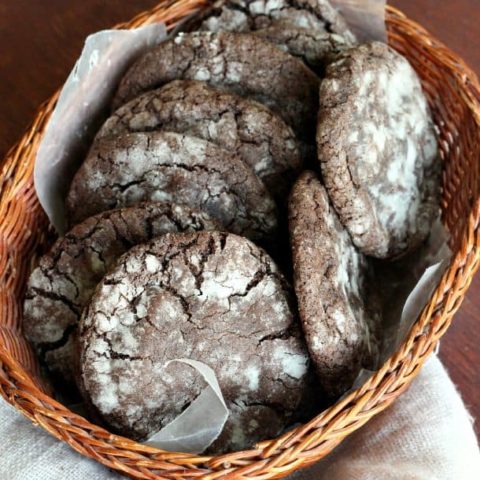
(40, 40)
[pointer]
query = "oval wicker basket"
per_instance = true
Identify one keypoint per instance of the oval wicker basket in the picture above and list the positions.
(454, 95)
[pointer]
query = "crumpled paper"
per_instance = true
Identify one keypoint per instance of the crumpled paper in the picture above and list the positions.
(81, 109)
(195, 429)
(83, 106)
(407, 285)
(366, 18)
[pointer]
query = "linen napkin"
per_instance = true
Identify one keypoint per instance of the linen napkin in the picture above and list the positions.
(426, 434)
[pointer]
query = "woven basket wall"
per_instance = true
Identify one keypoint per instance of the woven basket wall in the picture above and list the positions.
(454, 95)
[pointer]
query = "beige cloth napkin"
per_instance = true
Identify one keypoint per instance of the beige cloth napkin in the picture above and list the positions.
(426, 435)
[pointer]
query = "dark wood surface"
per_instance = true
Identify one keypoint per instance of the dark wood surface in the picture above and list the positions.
(40, 40)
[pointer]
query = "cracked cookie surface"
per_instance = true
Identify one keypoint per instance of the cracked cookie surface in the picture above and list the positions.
(64, 281)
(208, 296)
(257, 135)
(247, 15)
(316, 49)
(377, 150)
(331, 278)
(165, 166)
(243, 64)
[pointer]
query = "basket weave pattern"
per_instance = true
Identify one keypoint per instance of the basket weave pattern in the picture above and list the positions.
(454, 96)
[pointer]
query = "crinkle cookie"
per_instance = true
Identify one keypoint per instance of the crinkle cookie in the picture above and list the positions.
(377, 150)
(64, 281)
(257, 135)
(243, 64)
(247, 15)
(340, 318)
(164, 166)
(212, 297)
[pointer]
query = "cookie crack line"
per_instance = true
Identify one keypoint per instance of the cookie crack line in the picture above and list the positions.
(284, 334)
(166, 283)
(276, 407)
(45, 347)
(50, 273)
(114, 354)
(119, 236)
(254, 282)
(56, 297)
(99, 253)
(205, 255)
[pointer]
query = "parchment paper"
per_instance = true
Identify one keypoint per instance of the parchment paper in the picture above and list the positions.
(195, 429)
(81, 109)
(407, 285)
(366, 18)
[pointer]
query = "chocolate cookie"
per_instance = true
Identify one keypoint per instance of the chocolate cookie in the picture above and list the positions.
(238, 63)
(212, 297)
(316, 49)
(377, 150)
(258, 136)
(246, 15)
(339, 316)
(164, 166)
(62, 284)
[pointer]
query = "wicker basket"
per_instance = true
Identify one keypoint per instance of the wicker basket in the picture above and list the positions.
(454, 95)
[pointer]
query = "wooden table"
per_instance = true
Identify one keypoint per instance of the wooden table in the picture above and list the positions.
(40, 40)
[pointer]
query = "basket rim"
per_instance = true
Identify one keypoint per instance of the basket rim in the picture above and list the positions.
(321, 434)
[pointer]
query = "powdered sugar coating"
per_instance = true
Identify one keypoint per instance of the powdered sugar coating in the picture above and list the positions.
(243, 64)
(249, 15)
(165, 166)
(64, 281)
(215, 298)
(316, 49)
(340, 320)
(378, 151)
(258, 136)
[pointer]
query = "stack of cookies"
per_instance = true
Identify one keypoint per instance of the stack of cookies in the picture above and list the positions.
(176, 218)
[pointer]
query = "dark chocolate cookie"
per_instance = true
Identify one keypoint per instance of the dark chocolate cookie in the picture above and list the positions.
(258, 136)
(246, 15)
(164, 166)
(340, 318)
(316, 49)
(212, 297)
(62, 284)
(239, 63)
(377, 150)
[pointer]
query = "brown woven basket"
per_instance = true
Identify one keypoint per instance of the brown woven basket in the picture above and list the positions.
(454, 95)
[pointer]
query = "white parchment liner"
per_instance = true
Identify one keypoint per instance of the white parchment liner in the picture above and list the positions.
(201, 423)
(366, 18)
(83, 106)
